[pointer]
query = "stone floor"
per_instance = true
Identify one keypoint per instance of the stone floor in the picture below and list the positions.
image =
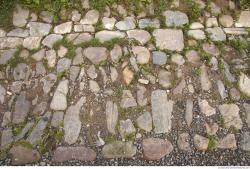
(96, 89)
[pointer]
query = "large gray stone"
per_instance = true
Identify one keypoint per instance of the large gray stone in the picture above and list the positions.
(59, 100)
(244, 84)
(2, 94)
(10, 42)
(96, 54)
(18, 32)
(244, 20)
(119, 149)
(216, 34)
(111, 116)
(22, 108)
(230, 114)
(127, 99)
(245, 142)
(39, 29)
(72, 122)
(126, 24)
(90, 18)
(20, 16)
(204, 79)
(51, 39)
(140, 35)
(161, 111)
(144, 121)
(126, 128)
(155, 148)
(159, 58)
(247, 109)
(169, 39)
(37, 132)
(6, 55)
(63, 154)
(149, 23)
(189, 112)
(63, 28)
(175, 18)
(109, 35)
(32, 42)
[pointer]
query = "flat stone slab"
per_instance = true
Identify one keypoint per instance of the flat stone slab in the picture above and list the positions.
(175, 18)
(230, 114)
(111, 116)
(104, 36)
(10, 42)
(63, 154)
(96, 54)
(37, 132)
(59, 100)
(72, 123)
(244, 19)
(155, 149)
(161, 111)
(39, 28)
(169, 39)
(119, 149)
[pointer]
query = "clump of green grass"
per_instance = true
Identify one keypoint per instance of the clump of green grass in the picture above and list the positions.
(239, 45)
(17, 128)
(212, 143)
(24, 143)
(244, 4)
(51, 137)
(194, 12)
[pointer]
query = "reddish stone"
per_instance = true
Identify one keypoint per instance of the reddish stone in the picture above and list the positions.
(155, 149)
(73, 153)
(22, 155)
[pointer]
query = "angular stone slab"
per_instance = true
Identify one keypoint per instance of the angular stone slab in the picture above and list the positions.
(155, 149)
(96, 54)
(39, 29)
(22, 107)
(231, 116)
(162, 111)
(59, 100)
(119, 149)
(72, 123)
(111, 116)
(63, 154)
(169, 39)
(10, 42)
(109, 35)
(37, 132)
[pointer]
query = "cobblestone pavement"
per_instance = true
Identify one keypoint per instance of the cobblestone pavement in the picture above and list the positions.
(114, 88)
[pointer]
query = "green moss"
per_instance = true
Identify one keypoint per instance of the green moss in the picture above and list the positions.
(24, 143)
(51, 137)
(194, 12)
(130, 137)
(148, 69)
(110, 139)
(17, 128)
(212, 143)
(221, 121)
(62, 74)
(239, 44)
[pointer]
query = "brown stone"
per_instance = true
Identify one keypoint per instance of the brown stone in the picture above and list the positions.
(73, 153)
(23, 155)
(155, 149)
